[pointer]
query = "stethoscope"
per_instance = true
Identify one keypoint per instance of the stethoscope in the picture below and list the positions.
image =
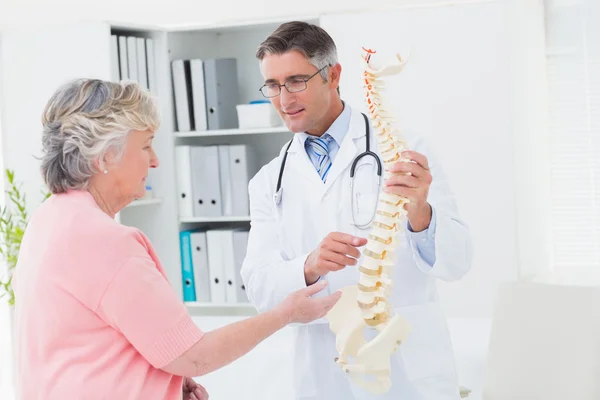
(367, 153)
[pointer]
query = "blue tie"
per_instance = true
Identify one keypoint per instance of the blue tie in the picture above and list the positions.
(319, 147)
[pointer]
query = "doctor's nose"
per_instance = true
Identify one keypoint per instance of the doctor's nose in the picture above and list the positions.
(286, 98)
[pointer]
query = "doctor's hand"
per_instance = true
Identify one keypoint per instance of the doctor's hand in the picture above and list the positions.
(335, 252)
(412, 180)
(193, 390)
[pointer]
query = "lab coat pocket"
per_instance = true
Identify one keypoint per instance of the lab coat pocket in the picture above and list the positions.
(427, 350)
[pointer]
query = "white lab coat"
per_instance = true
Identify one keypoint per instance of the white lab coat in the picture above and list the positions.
(281, 237)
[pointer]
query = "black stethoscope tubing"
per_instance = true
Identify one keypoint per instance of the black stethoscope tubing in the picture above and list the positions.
(366, 153)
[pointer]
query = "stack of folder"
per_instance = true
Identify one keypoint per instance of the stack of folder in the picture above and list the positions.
(210, 265)
(133, 60)
(212, 181)
(205, 94)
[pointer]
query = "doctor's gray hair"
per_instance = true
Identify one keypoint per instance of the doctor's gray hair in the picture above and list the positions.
(311, 40)
(83, 121)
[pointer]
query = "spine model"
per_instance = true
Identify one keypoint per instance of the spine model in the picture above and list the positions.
(365, 305)
(375, 283)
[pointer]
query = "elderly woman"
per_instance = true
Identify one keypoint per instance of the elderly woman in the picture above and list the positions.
(95, 315)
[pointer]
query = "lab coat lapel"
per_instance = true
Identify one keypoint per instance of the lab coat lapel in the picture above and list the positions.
(348, 150)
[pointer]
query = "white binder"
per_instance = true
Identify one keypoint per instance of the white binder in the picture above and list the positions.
(240, 244)
(242, 161)
(182, 100)
(184, 181)
(152, 85)
(231, 276)
(225, 179)
(132, 58)
(223, 238)
(206, 187)
(115, 74)
(141, 62)
(218, 257)
(123, 58)
(198, 94)
(200, 266)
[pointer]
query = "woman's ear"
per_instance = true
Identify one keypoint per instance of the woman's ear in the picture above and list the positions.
(99, 164)
(106, 161)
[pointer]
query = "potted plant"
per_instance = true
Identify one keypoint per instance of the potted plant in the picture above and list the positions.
(13, 221)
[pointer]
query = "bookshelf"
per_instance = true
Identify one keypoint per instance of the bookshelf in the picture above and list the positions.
(220, 309)
(231, 132)
(144, 202)
(192, 220)
(159, 218)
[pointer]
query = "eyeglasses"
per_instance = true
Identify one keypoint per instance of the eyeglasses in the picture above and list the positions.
(292, 86)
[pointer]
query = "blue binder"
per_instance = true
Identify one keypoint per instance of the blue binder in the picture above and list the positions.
(187, 269)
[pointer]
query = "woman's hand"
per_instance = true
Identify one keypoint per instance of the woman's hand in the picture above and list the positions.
(193, 390)
(300, 307)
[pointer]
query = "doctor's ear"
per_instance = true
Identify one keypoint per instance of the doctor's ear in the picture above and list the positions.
(334, 74)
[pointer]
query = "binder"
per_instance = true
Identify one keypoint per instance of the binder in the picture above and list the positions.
(222, 93)
(180, 71)
(152, 85)
(225, 179)
(217, 259)
(132, 58)
(240, 245)
(187, 272)
(206, 187)
(142, 70)
(231, 278)
(200, 266)
(184, 181)
(115, 73)
(198, 95)
(123, 58)
(243, 166)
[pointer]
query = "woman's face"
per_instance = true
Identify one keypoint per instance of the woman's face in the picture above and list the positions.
(138, 157)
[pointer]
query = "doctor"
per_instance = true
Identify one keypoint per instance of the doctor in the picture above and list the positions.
(309, 220)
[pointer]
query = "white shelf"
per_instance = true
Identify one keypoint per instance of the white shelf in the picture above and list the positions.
(222, 309)
(231, 132)
(214, 219)
(144, 202)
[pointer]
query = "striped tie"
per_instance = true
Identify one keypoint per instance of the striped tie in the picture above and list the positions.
(318, 146)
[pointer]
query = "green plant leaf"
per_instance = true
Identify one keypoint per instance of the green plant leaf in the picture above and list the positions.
(13, 222)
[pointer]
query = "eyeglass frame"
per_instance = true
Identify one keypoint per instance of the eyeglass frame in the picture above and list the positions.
(305, 80)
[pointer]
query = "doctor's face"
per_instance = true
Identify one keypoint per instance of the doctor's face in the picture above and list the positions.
(307, 110)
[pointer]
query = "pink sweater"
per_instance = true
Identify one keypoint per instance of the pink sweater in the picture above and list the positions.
(95, 315)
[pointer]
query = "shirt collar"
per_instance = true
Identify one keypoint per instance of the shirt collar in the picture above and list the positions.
(338, 129)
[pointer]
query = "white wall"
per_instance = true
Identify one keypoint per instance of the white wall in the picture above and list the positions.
(20, 133)
(454, 93)
(183, 12)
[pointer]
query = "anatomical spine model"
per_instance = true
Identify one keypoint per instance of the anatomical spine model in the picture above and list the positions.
(365, 306)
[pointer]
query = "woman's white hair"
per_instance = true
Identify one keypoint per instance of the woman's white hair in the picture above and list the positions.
(84, 120)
